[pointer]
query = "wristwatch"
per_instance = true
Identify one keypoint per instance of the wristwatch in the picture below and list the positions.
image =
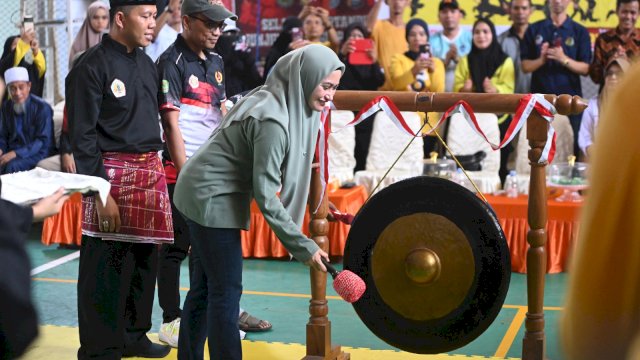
(565, 63)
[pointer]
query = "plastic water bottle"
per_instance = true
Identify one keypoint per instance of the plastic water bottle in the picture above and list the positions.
(511, 184)
(461, 179)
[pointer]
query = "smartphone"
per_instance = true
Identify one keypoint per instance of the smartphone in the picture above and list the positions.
(27, 23)
(296, 34)
(425, 50)
(360, 56)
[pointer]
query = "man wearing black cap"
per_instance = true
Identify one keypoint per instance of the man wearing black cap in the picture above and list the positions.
(112, 113)
(453, 42)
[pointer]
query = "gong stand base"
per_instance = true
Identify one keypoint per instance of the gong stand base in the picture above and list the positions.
(533, 349)
(319, 345)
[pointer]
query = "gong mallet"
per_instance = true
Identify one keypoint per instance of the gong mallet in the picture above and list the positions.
(347, 284)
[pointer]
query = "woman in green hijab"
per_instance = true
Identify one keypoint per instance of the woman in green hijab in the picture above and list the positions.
(265, 145)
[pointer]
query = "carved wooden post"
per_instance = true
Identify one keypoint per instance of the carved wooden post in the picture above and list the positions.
(534, 342)
(319, 327)
(533, 345)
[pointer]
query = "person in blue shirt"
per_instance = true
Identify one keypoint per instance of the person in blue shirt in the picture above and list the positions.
(557, 50)
(26, 127)
(453, 42)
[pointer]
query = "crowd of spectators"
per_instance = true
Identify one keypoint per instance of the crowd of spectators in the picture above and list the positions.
(548, 56)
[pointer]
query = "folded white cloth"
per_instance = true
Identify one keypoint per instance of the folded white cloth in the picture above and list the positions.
(27, 187)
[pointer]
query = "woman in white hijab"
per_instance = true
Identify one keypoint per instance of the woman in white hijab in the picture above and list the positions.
(90, 33)
(264, 145)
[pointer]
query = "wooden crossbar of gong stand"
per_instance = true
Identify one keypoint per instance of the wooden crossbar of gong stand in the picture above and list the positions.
(533, 348)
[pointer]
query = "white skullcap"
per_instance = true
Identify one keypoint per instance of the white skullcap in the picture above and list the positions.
(16, 74)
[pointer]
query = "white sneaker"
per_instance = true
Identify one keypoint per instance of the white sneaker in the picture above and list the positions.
(169, 332)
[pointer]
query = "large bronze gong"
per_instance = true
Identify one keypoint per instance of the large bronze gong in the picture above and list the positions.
(435, 261)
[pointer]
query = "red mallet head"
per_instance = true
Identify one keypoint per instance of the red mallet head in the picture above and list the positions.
(347, 284)
(342, 217)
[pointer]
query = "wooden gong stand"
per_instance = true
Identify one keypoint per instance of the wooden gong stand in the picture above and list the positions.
(533, 348)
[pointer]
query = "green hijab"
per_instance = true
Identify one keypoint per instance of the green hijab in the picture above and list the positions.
(283, 98)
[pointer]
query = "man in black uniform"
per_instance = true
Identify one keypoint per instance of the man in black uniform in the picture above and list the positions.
(113, 124)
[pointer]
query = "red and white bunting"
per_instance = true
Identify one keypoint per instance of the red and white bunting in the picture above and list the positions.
(527, 104)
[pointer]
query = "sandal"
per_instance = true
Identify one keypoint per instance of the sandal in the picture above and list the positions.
(250, 323)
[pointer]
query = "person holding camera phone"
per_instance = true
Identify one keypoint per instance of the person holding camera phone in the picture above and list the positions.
(283, 43)
(417, 70)
(365, 74)
(24, 51)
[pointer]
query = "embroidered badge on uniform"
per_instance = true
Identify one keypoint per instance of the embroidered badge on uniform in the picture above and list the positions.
(219, 77)
(118, 88)
(539, 39)
(165, 86)
(193, 81)
(570, 41)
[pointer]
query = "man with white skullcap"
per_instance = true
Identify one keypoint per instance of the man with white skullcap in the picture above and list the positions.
(26, 129)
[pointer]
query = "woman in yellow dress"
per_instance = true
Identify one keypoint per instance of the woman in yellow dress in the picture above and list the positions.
(416, 70)
(487, 69)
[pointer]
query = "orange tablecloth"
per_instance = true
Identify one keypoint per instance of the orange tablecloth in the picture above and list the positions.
(562, 230)
(260, 241)
(65, 227)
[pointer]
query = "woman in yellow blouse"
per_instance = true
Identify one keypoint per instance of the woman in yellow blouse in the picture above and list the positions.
(23, 51)
(487, 69)
(416, 69)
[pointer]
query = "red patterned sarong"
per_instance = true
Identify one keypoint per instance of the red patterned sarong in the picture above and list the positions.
(139, 187)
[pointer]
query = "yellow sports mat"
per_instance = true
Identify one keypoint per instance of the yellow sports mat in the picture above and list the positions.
(60, 342)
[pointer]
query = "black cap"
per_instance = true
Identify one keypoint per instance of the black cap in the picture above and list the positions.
(213, 12)
(116, 3)
(448, 4)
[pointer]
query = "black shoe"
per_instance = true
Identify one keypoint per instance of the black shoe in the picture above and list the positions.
(152, 351)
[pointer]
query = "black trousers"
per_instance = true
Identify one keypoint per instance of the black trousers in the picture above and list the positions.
(576, 121)
(170, 258)
(115, 297)
(363, 139)
(505, 151)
